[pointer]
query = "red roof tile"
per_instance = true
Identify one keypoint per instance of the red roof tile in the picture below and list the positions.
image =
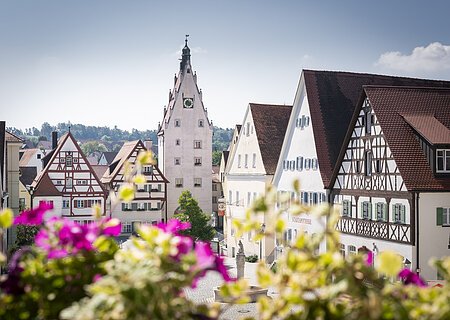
(429, 128)
(270, 125)
(332, 98)
(389, 105)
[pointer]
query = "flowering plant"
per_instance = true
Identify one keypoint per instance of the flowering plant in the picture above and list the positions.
(78, 272)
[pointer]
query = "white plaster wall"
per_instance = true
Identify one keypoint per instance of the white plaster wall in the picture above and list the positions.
(188, 132)
(433, 239)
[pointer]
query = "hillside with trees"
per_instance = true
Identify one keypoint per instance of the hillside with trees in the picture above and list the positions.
(94, 138)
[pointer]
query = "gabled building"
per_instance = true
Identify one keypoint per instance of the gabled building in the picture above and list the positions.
(26, 178)
(32, 158)
(68, 181)
(250, 170)
(106, 158)
(393, 178)
(323, 107)
(149, 204)
(185, 140)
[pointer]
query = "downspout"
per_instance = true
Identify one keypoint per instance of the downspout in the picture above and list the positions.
(417, 234)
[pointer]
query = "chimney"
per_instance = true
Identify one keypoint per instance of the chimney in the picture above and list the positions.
(148, 144)
(54, 139)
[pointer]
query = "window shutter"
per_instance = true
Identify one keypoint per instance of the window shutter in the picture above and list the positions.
(369, 209)
(439, 216)
(134, 206)
(402, 213)
(384, 209)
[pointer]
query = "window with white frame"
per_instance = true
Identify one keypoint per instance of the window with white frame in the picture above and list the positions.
(443, 160)
(126, 227)
(147, 169)
(197, 144)
(197, 161)
(68, 161)
(366, 210)
(254, 160)
(381, 208)
(368, 163)
(197, 182)
(398, 212)
(237, 199)
(246, 160)
(214, 199)
(248, 129)
(342, 249)
(249, 195)
(200, 123)
(347, 208)
(178, 182)
(351, 250)
(230, 197)
(314, 164)
(239, 160)
(307, 164)
(66, 204)
(299, 163)
(177, 142)
(69, 183)
(177, 123)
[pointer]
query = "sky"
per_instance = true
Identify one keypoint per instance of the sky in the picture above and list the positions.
(112, 63)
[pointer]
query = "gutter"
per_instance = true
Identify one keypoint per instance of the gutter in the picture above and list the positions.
(417, 233)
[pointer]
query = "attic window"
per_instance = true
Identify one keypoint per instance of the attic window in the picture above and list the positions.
(443, 160)
(368, 163)
(68, 161)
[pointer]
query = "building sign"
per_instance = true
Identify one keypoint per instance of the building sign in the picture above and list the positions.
(298, 219)
(221, 206)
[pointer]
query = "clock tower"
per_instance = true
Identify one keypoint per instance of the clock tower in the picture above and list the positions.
(185, 140)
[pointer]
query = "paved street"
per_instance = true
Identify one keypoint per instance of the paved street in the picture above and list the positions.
(204, 292)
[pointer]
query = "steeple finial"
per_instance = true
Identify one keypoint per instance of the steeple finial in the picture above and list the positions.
(186, 40)
(185, 55)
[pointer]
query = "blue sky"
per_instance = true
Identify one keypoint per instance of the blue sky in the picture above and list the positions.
(112, 62)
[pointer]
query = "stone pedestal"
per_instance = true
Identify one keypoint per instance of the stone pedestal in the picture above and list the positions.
(240, 265)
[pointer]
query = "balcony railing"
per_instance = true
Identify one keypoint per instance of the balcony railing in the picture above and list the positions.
(395, 232)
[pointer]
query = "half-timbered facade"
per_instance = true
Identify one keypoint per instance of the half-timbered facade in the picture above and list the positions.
(323, 108)
(392, 180)
(69, 182)
(149, 204)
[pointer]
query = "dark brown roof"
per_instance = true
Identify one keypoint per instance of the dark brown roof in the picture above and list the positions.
(27, 175)
(430, 128)
(11, 137)
(389, 105)
(109, 156)
(270, 125)
(332, 98)
(225, 154)
(46, 186)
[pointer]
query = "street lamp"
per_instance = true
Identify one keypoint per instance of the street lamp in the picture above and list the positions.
(263, 227)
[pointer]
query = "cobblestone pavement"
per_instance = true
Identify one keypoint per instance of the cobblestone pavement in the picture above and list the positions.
(204, 293)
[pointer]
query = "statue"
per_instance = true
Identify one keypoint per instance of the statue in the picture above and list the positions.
(241, 247)
(240, 260)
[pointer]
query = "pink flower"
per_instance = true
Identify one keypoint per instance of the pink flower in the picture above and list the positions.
(207, 260)
(111, 227)
(184, 246)
(369, 258)
(173, 226)
(34, 216)
(410, 277)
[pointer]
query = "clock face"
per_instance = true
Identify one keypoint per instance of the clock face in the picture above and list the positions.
(188, 103)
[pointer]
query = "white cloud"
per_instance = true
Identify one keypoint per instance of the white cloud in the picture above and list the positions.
(434, 57)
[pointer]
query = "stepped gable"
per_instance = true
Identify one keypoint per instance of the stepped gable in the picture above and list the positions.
(270, 123)
(332, 98)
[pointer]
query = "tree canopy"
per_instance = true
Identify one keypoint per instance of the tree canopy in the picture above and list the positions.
(191, 212)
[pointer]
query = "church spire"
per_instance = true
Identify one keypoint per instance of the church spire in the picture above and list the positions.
(186, 55)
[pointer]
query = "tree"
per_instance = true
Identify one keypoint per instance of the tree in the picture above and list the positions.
(216, 156)
(191, 212)
(92, 147)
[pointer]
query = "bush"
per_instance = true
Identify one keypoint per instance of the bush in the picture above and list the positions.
(252, 259)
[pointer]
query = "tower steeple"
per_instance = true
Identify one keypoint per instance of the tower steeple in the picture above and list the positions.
(185, 55)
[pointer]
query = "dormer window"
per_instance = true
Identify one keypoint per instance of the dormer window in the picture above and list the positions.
(443, 160)
(68, 161)
(368, 163)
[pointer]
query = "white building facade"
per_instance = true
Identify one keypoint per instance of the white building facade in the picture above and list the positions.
(185, 141)
(250, 170)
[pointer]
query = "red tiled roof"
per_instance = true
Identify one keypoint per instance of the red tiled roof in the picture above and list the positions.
(429, 128)
(389, 104)
(46, 186)
(270, 125)
(332, 98)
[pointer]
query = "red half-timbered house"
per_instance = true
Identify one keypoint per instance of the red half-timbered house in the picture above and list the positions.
(69, 182)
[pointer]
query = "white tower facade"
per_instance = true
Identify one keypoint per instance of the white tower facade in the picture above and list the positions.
(185, 140)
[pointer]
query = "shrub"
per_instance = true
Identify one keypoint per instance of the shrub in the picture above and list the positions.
(253, 258)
